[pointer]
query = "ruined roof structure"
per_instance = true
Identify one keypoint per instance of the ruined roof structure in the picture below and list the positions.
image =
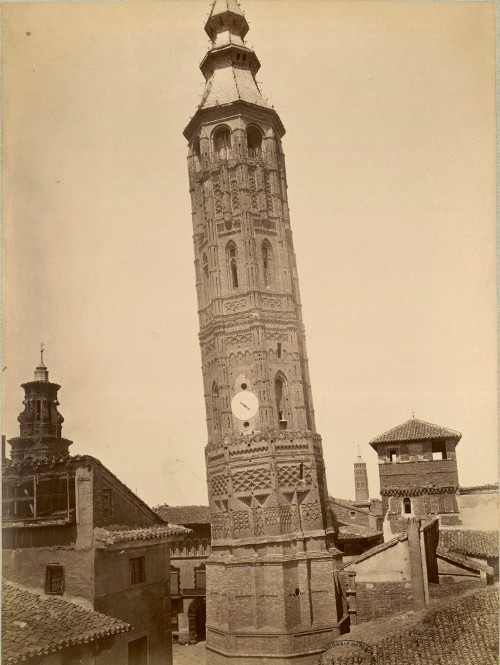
(415, 430)
(34, 626)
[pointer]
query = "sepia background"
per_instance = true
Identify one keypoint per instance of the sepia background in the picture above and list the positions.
(390, 115)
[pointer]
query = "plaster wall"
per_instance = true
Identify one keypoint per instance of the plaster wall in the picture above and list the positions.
(390, 565)
(27, 567)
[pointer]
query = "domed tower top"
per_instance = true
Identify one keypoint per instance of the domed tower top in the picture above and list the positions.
(40, 423)
(229, 66)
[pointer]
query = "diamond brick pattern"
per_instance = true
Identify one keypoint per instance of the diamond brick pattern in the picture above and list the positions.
(252, 479)
(219, 484)
(289, 475)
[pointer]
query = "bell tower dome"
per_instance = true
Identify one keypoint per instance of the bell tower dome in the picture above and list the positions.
(40, 423)
(271, 575)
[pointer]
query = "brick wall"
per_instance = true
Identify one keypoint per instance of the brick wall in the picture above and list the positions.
(378, 599)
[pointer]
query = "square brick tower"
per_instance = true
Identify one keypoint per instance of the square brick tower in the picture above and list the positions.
(418, 473)
(271, 583)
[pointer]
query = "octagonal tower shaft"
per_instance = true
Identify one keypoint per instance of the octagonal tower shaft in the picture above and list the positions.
(270, 578)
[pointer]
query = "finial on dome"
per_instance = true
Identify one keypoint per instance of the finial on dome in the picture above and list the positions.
(41, 372)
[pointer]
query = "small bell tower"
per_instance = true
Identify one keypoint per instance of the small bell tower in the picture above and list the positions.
(362, 492)
(40, 423)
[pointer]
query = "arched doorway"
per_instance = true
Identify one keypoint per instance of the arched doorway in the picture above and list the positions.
(197, 615)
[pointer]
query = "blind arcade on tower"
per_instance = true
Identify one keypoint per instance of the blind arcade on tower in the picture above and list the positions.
(271, 588)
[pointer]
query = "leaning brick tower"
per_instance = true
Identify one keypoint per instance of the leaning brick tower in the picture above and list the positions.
(271, 583)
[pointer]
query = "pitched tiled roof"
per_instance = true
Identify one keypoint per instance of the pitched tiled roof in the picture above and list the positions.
(33, 625)
(415, 430)
(346, 503)
(465, 632)
(470, 543)
(356, 532)
(479, 488)
(375, 550)
(184, 514)
(107, 537)
(463, 560)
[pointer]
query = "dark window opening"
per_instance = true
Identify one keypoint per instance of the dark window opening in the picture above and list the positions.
(254, 142)
(205, 265)
(301, 471)
(174, 614)
(279, 389)
(137, 568)
(197, 150)
(175, 587)
(54, 580)
(393, 455)
(222, 142)
(107, 503)
(279, 349)
(438, 450)
(352, 513)
(407, 506)
(243, 386)
(200, 577)
(38, 409)
(234, 273)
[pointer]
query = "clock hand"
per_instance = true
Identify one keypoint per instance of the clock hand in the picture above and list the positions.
(246, 407)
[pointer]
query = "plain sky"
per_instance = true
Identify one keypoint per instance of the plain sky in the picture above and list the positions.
(390, 150)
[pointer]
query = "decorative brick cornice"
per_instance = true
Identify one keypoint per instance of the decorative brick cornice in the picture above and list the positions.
(271, 436)
(412, 490)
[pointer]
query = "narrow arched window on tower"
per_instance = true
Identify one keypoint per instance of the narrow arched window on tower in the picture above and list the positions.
(267, 264)
(222, 142)
(231, 256)
(216, 408)
(205, 265)
(197, 154)
(407, 506)
(254, 141)
(279, 391)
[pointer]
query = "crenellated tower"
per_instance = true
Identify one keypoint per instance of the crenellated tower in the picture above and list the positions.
(270, 579)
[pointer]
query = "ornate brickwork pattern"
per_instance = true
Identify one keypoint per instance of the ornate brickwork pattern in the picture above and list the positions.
(232, 306)
(269, 198)
(241, 523)
(310, 512)
(217, 192)
(239, 338)
(252, 479)
(289, 475)
(220, 525)
(276, 336)
(271, 516)
(219, 485)
(272, 303)
(235, 203)
(258, 521)
(253, 189)
(289, 518)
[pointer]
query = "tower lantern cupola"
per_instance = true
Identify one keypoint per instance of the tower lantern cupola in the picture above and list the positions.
(40, 423)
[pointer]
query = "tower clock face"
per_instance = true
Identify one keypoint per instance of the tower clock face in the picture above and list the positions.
(244, 405)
